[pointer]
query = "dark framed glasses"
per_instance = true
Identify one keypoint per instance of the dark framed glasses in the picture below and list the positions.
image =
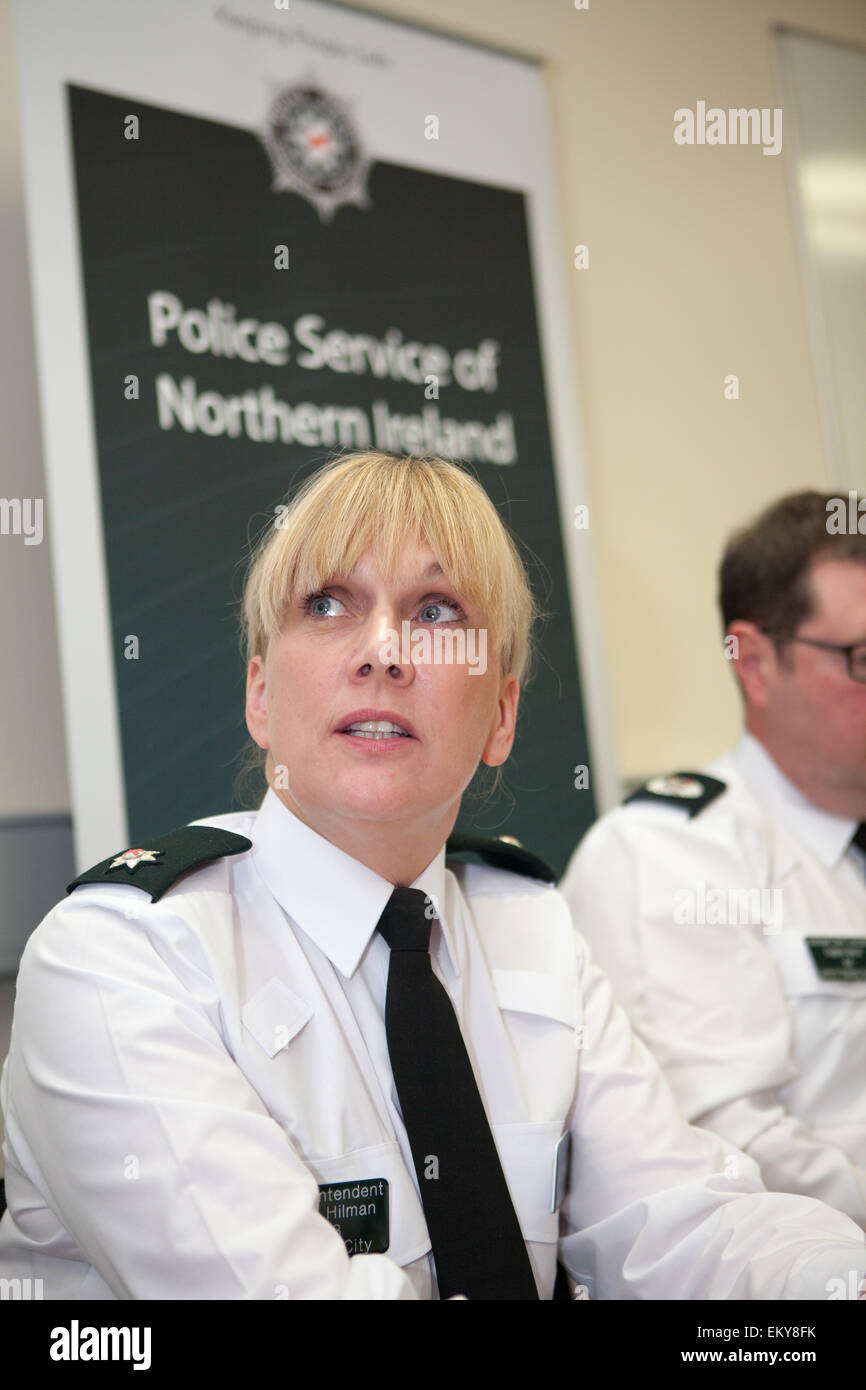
(854, 653)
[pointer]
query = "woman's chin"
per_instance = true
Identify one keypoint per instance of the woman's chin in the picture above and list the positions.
(380, 802)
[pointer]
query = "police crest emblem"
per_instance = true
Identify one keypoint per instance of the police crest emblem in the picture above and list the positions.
(679, 784)
(315, 150)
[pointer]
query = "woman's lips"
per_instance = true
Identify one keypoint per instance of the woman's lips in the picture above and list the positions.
(377, 745)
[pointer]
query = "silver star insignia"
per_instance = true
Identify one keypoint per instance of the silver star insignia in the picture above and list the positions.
(131, 858)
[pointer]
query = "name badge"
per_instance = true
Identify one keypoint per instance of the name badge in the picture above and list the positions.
(359, 1211)
(839, 957)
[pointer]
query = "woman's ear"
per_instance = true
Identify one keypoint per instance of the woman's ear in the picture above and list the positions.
(257, 707)
(501, 736)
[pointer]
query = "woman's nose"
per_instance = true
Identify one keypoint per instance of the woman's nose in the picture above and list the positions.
(385, 643)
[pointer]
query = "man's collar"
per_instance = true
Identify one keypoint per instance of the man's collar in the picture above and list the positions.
(827, 836)
(335, 899)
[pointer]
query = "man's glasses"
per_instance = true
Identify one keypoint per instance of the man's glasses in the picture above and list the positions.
(854, 653)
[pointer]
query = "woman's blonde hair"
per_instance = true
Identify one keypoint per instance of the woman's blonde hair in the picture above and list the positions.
(373, 500)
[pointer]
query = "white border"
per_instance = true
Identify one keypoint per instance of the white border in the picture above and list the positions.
(154, 53)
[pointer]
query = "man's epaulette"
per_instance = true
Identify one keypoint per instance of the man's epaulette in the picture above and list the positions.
(156, 868)
(504, 852)
(691, 791)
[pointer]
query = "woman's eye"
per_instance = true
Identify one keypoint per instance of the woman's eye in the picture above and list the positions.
(312, 602)
(455, 609)
(440, 611)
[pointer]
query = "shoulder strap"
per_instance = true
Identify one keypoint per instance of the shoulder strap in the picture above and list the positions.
(156, 868)
(690, 791)
(503, 852)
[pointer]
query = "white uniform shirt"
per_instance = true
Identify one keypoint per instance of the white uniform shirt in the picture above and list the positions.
(755, 1044)
(184, 1074)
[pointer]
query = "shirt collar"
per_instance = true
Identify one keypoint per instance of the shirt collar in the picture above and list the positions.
(827, 836)
(330, 895)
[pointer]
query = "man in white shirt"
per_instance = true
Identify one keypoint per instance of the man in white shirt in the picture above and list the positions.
(728, 907)
(200, 1099)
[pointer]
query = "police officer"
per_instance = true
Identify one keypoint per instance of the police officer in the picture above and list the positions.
(213, 1088)
(728, 906)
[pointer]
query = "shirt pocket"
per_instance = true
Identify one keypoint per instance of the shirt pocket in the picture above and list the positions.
(542, 1014)
(532, 992)
(274, 1015)
(528, 1156)
(408, 1237)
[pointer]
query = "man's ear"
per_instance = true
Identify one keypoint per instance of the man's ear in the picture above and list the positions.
(754, 659)
(256, 707)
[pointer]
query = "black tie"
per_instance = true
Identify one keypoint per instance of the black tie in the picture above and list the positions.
(476, 1238)
(859, 837)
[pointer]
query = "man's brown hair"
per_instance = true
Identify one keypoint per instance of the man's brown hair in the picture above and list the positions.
(764, 577)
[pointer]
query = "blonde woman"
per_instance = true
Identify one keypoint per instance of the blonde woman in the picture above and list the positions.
(296, 1053)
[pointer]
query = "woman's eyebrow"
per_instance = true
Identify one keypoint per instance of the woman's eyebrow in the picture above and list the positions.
(433, 571)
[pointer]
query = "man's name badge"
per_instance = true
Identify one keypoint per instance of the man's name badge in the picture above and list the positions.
(839, 957)
(359, 1211)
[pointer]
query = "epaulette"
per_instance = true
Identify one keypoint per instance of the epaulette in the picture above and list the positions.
(504, 852)
(156, 868)
(691, 791)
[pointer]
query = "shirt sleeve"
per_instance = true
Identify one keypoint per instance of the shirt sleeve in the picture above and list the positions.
(707, 1000)
(659, 1209)
(792, 1157)
(151, 1146)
